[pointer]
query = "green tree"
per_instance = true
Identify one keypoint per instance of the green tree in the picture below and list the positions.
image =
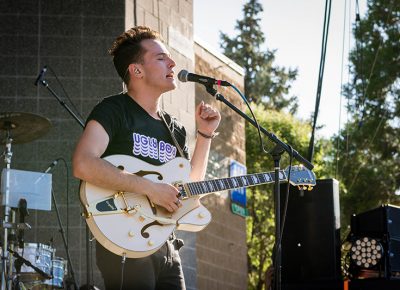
(261, 219)
(369, 146)
(264, 82)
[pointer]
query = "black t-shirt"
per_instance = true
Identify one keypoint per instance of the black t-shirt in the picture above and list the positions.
(132, 131)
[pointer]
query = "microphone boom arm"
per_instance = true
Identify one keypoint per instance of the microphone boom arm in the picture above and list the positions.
(282, 145)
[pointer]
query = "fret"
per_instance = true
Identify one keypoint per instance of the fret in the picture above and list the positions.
(234, 182)
(198, 188)
(203, 187)
(227, 183)
(272, 174)
(267, 177)
(244, 180)
(255, 179)
(216, 185)
(261, 178)
(230, 183)
(222, 184)
(194, 192)
(248, 180)
(189, 186)
(211, 186)
(240, 181)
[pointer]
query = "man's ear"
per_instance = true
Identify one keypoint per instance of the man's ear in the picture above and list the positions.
(135, 71)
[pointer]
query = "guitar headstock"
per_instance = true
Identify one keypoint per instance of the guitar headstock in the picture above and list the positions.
(301, 177)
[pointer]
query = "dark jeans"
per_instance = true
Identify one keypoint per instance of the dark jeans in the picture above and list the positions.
(159, 271)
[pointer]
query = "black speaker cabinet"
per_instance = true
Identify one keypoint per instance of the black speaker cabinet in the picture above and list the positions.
(311, 237)
(383, 224)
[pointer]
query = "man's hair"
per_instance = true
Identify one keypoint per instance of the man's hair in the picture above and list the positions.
(127, 49)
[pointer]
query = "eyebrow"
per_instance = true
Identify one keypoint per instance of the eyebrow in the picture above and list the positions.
(163, 54)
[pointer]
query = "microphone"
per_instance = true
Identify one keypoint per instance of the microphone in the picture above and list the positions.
(185, 76)
(41, 75)
(54, 163)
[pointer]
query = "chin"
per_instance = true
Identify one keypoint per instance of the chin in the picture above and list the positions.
(171, 86)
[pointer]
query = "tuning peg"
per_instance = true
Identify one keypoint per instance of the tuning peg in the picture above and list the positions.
(310, 187)
(304, 187)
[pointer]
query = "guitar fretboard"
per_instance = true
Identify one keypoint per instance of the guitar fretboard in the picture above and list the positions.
(215, 185)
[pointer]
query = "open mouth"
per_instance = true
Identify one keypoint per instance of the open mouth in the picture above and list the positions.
(170, 75)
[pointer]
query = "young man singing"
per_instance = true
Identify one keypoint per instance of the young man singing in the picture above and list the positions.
(132, 123)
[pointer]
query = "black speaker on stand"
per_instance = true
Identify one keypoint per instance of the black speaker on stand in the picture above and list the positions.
(311, 238)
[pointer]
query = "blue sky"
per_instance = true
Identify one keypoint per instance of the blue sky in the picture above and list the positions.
(294, 29)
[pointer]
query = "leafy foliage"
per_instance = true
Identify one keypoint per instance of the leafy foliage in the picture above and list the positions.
(369, 146)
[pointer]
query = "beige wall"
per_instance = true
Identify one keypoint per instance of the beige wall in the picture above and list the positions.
(221, 247)
(174, 20)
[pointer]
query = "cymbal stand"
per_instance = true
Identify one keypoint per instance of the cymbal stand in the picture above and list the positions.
(5, 279)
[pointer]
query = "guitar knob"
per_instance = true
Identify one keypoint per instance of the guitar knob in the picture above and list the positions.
(150, 243)
(200, 215)
(131, 234)
(141, 218)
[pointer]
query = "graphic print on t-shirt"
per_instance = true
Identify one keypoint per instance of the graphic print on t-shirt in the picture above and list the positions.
(147, 146)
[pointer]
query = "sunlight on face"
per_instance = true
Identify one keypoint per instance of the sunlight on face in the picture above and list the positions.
(158, 66)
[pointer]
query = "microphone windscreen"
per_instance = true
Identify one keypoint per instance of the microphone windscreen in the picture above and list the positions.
(182, 75)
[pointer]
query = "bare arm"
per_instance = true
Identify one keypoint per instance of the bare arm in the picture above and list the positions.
(88, 166)
(207, 119)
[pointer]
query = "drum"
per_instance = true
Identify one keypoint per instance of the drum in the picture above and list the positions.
(39, 255)
(59, 270)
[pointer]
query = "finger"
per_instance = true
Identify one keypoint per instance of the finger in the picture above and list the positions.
(169, 208)
(174, 207)
(213, 114)
(178, 203)
(199, 108)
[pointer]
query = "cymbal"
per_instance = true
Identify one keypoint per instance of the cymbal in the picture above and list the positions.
(23, 127)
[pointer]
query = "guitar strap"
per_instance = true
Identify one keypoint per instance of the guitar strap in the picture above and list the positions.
(171, 128)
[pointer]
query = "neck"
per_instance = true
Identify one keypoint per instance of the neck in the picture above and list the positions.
(148, 101)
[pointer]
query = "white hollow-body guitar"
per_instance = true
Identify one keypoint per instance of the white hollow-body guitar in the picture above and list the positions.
(128, 224)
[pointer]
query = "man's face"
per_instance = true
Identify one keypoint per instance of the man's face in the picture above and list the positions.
(157, 66)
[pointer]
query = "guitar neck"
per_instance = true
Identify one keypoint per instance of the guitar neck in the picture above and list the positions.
(215, 185)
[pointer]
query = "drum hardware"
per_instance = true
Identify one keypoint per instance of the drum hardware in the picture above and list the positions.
(40, 269)
(19, 127)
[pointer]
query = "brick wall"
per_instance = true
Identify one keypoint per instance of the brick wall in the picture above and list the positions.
(72, 38)
(221, 247)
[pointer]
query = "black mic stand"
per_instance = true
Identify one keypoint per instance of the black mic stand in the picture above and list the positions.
(279, 149)
(88, 256)
(70, 280)
(62, 103)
